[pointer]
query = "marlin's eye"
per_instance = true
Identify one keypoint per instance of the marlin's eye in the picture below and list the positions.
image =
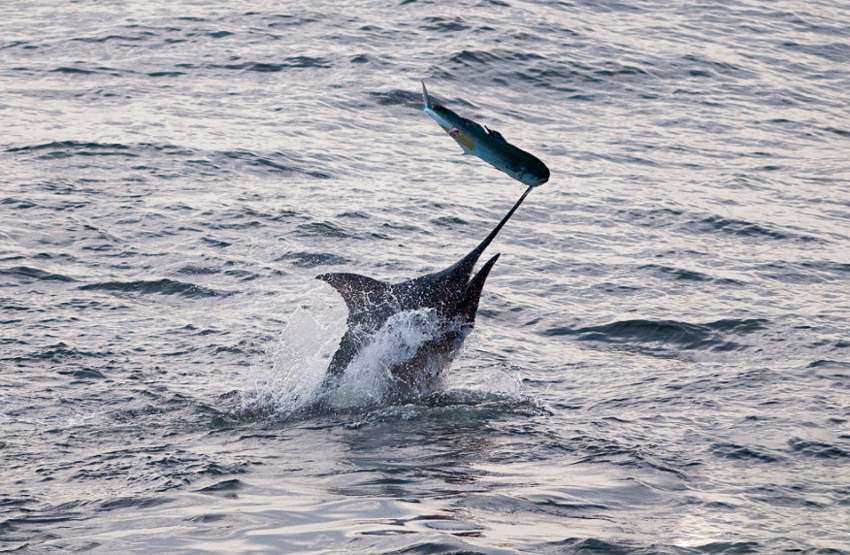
(454, 132)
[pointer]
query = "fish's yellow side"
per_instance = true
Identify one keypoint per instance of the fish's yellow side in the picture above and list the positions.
(467, 144)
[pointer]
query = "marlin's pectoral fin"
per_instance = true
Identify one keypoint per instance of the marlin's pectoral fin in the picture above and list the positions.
(358, 292)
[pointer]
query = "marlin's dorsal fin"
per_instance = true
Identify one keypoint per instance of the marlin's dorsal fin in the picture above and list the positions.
(359, 292)
(496, 135)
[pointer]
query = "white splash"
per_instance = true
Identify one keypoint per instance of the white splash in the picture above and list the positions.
(299, 361)
(367, 378)
(295, 381)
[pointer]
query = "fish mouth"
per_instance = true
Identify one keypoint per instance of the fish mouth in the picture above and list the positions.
(534, 180)
(531, 178)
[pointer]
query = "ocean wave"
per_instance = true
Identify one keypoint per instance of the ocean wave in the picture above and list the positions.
(749, 229)
(744, 453)
(683, 335)
(324, 229)
(18, 204)
(313, 259)
(294, 62)
(133, 502)
(802, 272)
(59, 352)
(817, 449)
(681, 220)
(831, 365)
(185, 158)
(224, 488)
(166, 73)
(73, 70)
(145, 35)
(397, 97)
(79, 147)
(275, 162)
(445, 24)
(679, 273)
(34, 273)
(162, 286)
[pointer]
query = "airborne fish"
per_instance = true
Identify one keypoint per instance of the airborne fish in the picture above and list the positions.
(487, 144)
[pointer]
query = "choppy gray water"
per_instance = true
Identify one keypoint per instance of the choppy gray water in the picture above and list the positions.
(661, 362)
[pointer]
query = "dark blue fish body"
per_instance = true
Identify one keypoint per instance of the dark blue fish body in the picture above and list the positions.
(452, 295)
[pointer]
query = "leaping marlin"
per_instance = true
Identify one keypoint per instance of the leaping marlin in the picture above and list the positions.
(451, 294)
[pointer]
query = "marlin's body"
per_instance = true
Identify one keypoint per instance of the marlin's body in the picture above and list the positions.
(450, 298)
(487, 144)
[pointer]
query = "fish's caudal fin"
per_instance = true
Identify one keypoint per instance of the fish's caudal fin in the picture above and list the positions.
(425, 98)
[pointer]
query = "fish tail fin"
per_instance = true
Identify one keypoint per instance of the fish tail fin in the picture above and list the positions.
(425, 98)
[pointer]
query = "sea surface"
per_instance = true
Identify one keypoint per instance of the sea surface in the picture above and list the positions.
(661, 360)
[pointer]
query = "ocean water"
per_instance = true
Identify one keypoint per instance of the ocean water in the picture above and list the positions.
(661, 359)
